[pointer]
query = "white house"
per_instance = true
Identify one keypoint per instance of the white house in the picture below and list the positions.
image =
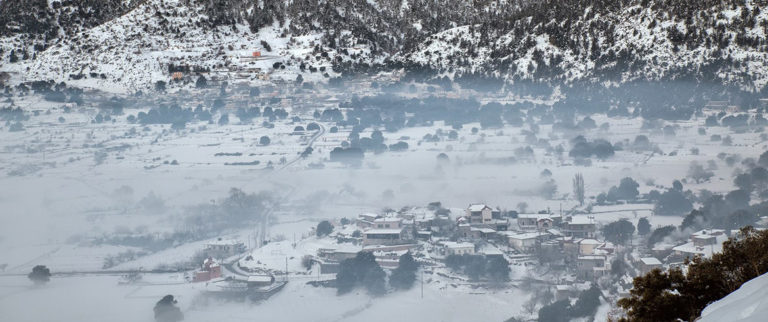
(581, 226)
(222, 248)
(454, 248)
(375, 236)
(590, 267)
(387, 223)
(648, 264)
(588, 246)
(479, 213)
(530, 222)
(366, 220)
(702, 243)
(523, 242)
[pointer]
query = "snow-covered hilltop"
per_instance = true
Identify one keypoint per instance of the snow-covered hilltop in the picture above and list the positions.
(130, 44)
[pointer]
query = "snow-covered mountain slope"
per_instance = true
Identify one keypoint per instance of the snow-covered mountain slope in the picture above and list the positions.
(701, 41)
(747, 304)
(131, 44)
(145, 40)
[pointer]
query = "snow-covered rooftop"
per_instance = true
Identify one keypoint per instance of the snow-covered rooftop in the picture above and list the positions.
(650, 261)
(455, 245)
(382, 231)
(477, 207)
(590, 242)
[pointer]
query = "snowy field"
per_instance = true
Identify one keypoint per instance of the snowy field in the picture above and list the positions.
(64, 183)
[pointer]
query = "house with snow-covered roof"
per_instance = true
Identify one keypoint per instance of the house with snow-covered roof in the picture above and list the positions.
(703, 243)
(365, 220)
(223, 248)
(647, 264)
(522, 242)
(579, 226)
(536, 222)
(386, 236)
(590, 267)
(389, 222)
(479, 213)
(457, 248)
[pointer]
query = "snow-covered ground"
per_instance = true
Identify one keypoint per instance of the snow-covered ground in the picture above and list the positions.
(747, 304)
(57, 196)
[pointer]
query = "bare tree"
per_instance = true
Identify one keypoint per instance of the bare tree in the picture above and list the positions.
(531, 305)
(578, 188)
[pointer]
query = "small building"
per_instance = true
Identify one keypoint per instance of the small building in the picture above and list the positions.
(490, 251)
(177, 76)
(387, 223)
(590, 267)
(703, 243)
(499, 224)
(260, 280)
(223, 248)
(662, 250)
(479, 213)
(529, 222)
(455, 248)
(648, 264)
(579, 227)
(377, 236)
(388, 259)
(481, 233)
(366, 220)
(424, 234)
(337, 255)
(523, 242)
(210, 270)
(588, 246)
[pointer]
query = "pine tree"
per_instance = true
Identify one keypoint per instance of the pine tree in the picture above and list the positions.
(643, 226)
(40, 274)
(404, 275)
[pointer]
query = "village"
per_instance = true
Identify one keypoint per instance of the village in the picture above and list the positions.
(564, 254)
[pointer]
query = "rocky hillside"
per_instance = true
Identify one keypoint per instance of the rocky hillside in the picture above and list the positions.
(605, 40)
(132, 44)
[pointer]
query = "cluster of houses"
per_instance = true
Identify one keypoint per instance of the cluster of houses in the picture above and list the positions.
(479, 230)
(569, 242)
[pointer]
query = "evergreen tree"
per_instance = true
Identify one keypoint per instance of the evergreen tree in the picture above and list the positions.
(674, 295)
(587, 303)
(40, 274)
(498, 269)
(619, 232)
(201, 82)
(643, 226)
(404, 275)
(166, 310)
(555, 312)
(362, 270)
(324, 228)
